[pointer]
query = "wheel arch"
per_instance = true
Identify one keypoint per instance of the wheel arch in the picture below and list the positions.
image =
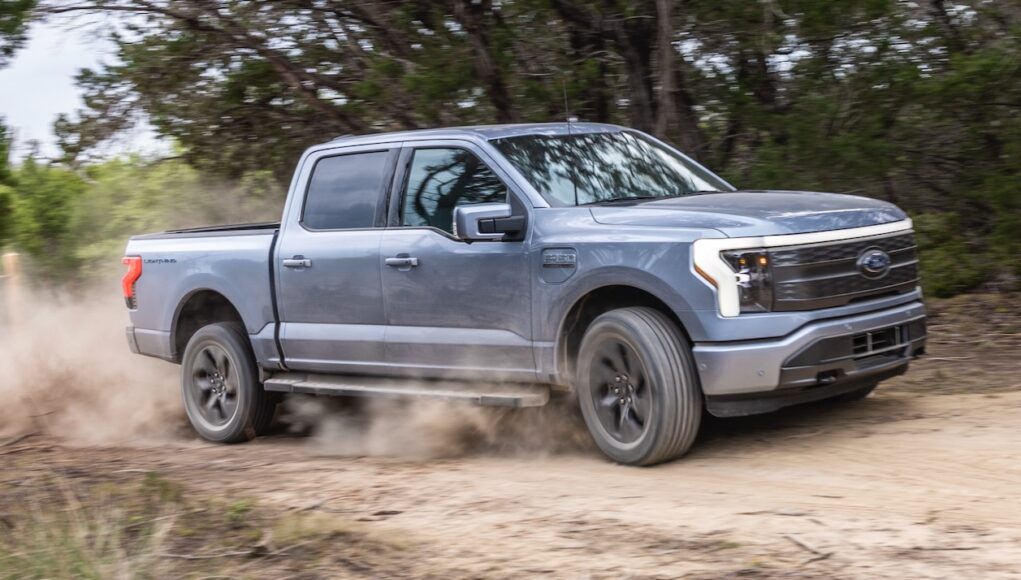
(199, 308)
(586, 308)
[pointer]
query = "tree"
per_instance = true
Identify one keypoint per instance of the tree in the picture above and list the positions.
(42, 203)
(913, 102)
(6, 181)
(14, 16)
(250, 84)
(132, 195)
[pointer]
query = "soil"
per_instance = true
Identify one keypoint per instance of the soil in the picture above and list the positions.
(921, 479)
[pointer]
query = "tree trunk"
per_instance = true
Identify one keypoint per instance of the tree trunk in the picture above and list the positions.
(472, 15)
(664, 37)
(692, 138)
(634, 42)
(589, 39)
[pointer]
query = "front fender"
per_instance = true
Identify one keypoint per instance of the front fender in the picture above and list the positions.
(562, 302)
(662, 270)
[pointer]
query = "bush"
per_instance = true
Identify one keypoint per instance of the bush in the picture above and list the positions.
(75, 226)
(950, 262)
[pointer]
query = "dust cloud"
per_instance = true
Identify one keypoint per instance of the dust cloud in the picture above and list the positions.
(422, 428)
(71, 375)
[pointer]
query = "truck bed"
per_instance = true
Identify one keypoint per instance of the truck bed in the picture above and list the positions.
(232, 261)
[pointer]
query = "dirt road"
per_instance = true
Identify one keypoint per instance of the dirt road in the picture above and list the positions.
(897, 485)
(923, 479)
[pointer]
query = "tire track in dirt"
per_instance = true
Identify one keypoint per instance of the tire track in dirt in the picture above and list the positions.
(896, 485)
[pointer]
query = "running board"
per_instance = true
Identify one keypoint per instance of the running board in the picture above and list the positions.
(496, 395)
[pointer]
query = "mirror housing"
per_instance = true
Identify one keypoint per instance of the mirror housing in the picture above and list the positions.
(486, 221)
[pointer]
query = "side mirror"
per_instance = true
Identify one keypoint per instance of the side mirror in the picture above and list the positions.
(485, 221)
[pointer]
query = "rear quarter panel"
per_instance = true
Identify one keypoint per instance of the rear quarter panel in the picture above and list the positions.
(176, 267)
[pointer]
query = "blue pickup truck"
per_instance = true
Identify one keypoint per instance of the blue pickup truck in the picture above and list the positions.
(503, 265)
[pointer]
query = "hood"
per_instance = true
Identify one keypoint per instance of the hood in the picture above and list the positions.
(754, 213)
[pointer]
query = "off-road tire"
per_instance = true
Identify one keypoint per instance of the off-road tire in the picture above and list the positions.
(667, 371)
(252, 408)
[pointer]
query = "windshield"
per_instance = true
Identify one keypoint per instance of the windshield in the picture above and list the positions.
(604, 167)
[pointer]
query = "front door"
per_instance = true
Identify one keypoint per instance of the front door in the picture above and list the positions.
(453, 308)
(329, 292)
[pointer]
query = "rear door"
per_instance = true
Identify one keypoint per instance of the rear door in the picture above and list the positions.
(328, 268)
(461, 309)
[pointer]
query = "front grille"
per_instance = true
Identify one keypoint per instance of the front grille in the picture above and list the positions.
(861, 356)
(818, 276)
(890, 341)
(877, 340)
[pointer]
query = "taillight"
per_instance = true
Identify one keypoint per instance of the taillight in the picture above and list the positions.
(134, 264)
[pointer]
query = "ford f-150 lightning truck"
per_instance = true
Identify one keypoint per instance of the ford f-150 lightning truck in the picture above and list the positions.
(501, 264)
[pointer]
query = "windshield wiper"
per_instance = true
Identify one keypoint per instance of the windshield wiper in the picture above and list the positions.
(650, 197)
(623, 199)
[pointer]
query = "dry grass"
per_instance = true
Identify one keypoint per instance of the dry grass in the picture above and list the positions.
(55, 525)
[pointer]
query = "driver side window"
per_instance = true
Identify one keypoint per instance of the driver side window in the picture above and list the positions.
(442, 179)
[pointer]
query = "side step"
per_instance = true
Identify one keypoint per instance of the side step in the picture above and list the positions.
(496, 395)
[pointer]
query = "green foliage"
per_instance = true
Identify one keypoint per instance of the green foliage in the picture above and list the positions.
(130, 196)
(237, 511)
(6, 180)
(6, 193)
(74, 226)
(950, 263)
(5, 154)
(918, 106)
(14, 15)
(42, 207)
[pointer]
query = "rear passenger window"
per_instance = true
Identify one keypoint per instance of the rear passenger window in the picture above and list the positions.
(344, 191)
(440, 180)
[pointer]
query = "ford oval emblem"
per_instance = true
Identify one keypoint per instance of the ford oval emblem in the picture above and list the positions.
(874, 263)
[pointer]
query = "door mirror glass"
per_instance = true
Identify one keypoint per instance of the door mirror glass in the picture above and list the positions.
(485, 221)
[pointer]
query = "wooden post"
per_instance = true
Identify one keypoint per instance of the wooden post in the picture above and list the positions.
(12, 287)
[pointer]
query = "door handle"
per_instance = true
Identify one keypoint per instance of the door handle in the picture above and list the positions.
(403, 262)
(297, 262)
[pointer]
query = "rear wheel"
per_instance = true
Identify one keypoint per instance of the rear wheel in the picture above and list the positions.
(637, 387)
(222, 395)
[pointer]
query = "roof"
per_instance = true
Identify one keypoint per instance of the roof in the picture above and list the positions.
(484, 132)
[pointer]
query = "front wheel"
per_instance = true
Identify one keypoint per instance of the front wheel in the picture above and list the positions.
(637, 388)
(222, 395)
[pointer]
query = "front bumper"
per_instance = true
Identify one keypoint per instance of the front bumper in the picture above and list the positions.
(849, 351)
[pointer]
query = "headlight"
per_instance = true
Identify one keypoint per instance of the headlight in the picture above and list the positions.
(739, 270)
(754, 279)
